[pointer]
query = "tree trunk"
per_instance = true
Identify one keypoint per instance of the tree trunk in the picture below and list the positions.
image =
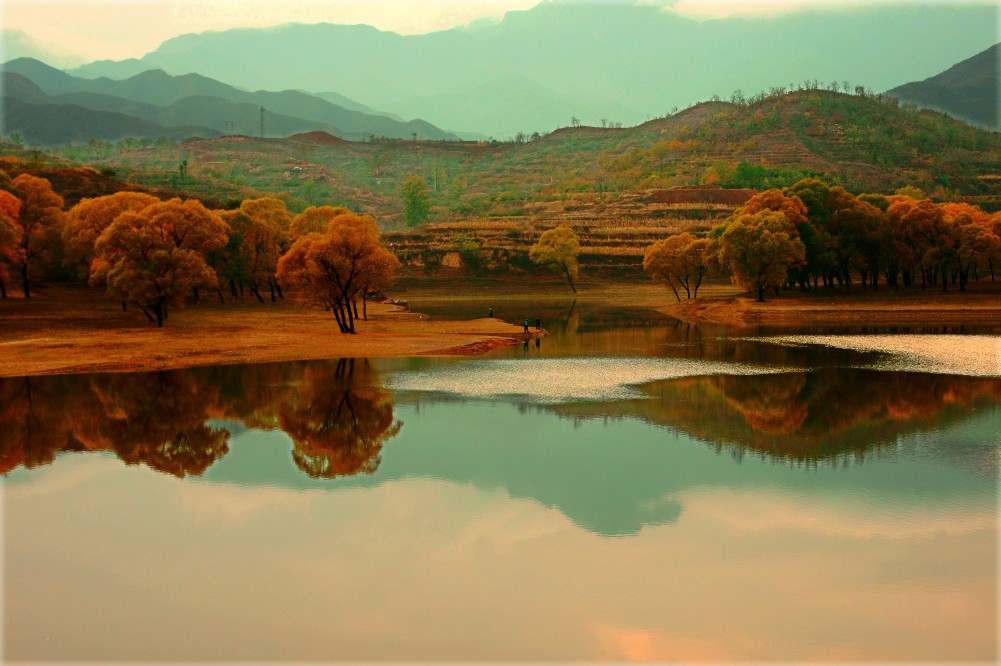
(570, 280)
(161, 313)
(221, 299)
(256, 292)
(761, 293)
(338, 315)
(271, 288)
(278, 287)
(148, 315)
(3, 290)
(24, 280)
(350, 319)
(364, 304)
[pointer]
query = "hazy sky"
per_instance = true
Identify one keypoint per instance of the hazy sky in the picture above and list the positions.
(83, 30)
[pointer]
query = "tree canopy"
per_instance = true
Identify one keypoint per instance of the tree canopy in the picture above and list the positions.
(155, 257)
(333, 268)
(558, 249)
(416, 201)
(681, 260)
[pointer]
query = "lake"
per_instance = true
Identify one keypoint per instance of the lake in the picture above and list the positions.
(627, 488)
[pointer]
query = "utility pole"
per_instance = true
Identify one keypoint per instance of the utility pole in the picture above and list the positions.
(262, 121)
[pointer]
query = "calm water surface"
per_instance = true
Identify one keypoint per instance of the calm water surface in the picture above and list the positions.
(630, 488)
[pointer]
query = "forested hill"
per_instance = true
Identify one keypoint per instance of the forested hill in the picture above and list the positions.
(969, 90)
(860, 141)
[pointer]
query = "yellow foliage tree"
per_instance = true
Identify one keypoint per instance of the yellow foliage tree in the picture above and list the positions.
(558, 249)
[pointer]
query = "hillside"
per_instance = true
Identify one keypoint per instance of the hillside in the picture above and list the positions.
(865, 143)
(57, 124)
(537, 68)
(968, 90)
(193, 100)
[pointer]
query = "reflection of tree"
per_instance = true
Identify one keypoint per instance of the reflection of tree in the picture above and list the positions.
(333, 410)
(806, 416)
(768, 406)
(35, 417)
(337, 421)
(157, 419)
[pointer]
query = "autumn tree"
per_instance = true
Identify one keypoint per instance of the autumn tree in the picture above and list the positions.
(681, 260)
(557, 250)
(258, 234)
(333, 268)
(816, 240)
(88, 219)
(155, 257)
(863, 239)
(972, 239)
(314, 220)
(10, 236)
(416, 201)
(758, 250)
(40, 218)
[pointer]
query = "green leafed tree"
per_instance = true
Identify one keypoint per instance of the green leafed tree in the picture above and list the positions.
(558, 249)
(416, 201)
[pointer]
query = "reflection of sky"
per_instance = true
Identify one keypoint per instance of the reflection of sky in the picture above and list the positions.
(971, 355)
(483, 535)
(550, 381)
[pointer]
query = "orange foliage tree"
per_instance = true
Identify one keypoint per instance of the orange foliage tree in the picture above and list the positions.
(10, 235)
(155, 257)
(258, 236)
(314, 220)
(40, 219)
(681, 260)
(336, 266)
(88, 219)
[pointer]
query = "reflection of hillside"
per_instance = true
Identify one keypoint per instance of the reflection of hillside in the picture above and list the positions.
(804, 416)
(336, 418)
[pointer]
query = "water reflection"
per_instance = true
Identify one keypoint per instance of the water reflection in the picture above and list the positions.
(335, 413)
(339, 414)
(820, 415)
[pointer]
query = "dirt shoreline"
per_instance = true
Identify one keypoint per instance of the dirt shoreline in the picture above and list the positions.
(980, 307)
(66, 331)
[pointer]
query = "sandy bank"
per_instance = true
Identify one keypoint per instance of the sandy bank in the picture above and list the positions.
(71, 331)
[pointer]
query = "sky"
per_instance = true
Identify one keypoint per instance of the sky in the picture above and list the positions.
(72, 32)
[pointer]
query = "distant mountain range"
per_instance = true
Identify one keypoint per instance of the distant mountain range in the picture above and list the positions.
(48, 106)
(968, 91)
(536, 69)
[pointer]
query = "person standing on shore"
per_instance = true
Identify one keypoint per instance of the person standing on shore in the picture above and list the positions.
(525, 323)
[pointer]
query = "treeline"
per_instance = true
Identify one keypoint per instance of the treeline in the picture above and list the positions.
(815, 236)
(153, 254)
